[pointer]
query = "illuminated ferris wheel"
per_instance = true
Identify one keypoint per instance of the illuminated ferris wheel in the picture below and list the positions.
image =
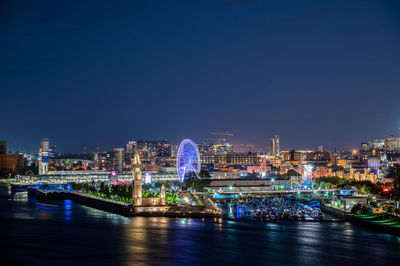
(188, 159)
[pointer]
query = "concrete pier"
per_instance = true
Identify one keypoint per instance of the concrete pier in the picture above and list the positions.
(125, 208)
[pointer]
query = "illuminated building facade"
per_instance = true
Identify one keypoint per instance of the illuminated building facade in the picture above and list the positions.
(207, 157)
(236, 158)
(262, 168)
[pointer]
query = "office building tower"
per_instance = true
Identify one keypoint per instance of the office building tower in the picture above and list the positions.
(44, 156)
(130, 146)
(118, 159)
(274, 145)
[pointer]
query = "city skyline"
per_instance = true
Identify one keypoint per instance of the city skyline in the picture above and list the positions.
(315, 74)
(240, 147)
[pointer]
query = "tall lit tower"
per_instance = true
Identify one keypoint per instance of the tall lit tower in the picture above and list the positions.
(274, 145)
(137, 180)
(44, 156)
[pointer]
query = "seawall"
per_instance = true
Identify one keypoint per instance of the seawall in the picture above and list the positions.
(357, 220)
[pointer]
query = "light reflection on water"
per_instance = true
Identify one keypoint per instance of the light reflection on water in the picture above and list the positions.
(71, 233)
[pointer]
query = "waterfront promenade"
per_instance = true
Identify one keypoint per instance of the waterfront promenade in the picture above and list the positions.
(126, 209)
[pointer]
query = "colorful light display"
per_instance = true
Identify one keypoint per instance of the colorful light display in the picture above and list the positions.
(307, 176)
(113, 177)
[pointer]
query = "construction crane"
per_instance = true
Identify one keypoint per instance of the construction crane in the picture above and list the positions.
(249, 146)
(219, 140)
(227, 134)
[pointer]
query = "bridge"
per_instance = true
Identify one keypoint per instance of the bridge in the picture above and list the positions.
(234, 194)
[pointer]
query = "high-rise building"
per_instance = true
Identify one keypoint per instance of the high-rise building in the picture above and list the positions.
(44, 156)
(118, 159)
(174, 150)
(364, 146)
(392, 142)
(3, 147)
(274, 145)
(104, 161)
(130, 146)
(320, 149)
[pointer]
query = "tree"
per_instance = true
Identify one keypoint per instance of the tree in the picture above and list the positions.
(356, 208)
(197, 182)
(365, 210)
(289, 174)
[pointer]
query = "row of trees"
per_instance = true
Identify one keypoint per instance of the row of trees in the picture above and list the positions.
(363, 187)
(118, 192)
(197, 182)
(288, 174)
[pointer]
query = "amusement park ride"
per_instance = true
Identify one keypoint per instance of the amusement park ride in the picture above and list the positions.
(188, 159)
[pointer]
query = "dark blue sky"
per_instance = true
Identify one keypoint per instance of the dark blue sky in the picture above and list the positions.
(100, 73)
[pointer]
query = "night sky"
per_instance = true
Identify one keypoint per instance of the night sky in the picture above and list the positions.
(100, 73)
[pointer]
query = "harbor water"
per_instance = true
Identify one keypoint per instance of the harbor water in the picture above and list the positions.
(65, 233)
